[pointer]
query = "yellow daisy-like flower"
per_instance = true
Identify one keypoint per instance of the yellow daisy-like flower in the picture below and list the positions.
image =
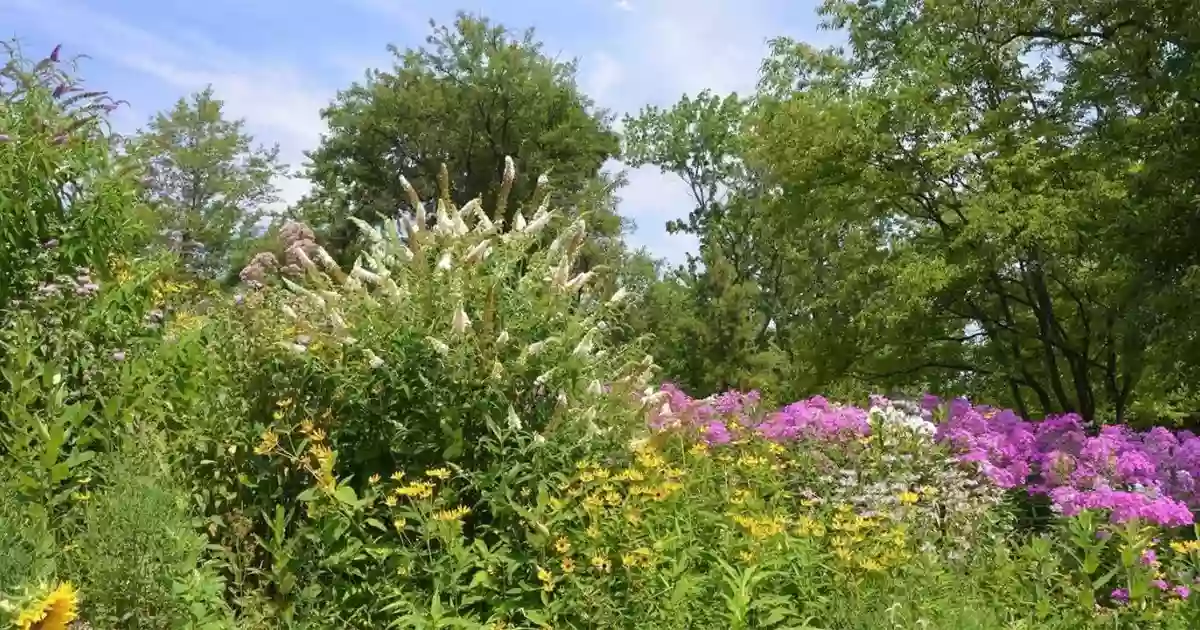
(456, 514)
(418, 490)
(562, 545)
(438, 473)
(546, 578)
(267, 442)
(374, 479)
(601, 563)
(909, 498)
(52, 612)
(398, 475)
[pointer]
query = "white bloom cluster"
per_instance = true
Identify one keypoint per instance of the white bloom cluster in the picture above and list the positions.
(895, 417)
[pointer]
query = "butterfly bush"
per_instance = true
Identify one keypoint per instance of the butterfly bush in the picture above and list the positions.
(1148, 476)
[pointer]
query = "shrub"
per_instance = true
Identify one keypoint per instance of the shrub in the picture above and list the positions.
(65, 201)
(135, 552)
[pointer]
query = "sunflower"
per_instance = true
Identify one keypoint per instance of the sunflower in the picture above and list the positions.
(50, 612)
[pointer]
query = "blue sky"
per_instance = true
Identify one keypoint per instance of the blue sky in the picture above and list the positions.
(275, 63)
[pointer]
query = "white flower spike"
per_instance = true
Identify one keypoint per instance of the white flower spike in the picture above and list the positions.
(460, 323)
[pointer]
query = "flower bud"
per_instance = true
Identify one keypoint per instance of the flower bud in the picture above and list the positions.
(460, 323)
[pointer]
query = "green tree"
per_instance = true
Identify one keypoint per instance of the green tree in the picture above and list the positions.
(477, 92)
(967, 224)
(732, 289)
(207, 180)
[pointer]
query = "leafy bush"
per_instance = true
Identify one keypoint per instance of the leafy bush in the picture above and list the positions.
(459, 431)
(65, 201)
(136, 553)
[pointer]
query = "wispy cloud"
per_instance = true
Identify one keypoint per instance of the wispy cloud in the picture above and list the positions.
(666, 49)
(279, 102)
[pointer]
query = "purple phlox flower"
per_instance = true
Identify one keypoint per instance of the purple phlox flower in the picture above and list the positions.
(1149, 557)
(717, 433)
(1160, 584)
(1120, 595)
(1183, 591)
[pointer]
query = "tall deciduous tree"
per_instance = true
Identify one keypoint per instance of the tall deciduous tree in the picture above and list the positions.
(477, 92)
(985, 211)
(986, 198)
(207, 179)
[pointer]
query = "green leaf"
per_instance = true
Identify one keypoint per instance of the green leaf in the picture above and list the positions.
(346, 495)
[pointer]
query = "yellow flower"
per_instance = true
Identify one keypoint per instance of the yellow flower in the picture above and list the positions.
(323, 455)
(639, 557)
(455, 514)
(562, 545)
(267, 442)
(52, 612)
(374, 479)
(418, 490)
(568, 565)
(317, 435)
(438, 473)
(390, 501)
(397, 476)
(1185, 546)
(870, 565)
(699, 449)
(908, 498)
(399, 524)
(631, 474)
(546, 578)
(601, 563)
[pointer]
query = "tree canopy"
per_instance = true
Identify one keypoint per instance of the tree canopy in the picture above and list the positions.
(475, 93)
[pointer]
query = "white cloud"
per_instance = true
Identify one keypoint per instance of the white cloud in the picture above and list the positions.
(604, 74)
(667, 49)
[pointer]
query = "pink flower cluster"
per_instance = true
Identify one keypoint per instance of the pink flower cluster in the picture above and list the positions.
(812, 418)
(1148, 475)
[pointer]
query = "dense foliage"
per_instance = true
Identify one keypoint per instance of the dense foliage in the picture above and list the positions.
(444, 393)
(971, 198)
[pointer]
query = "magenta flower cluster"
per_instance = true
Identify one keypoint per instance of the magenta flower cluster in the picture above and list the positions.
(1147, 475)
(812, 418)
(1150, 476)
